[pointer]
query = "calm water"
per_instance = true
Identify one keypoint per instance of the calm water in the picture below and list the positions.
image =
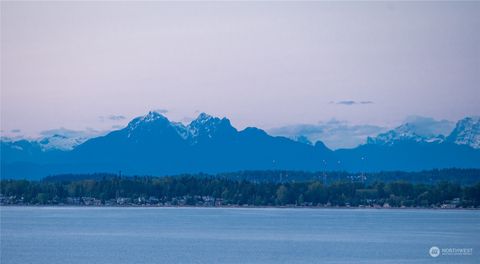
(51, 235)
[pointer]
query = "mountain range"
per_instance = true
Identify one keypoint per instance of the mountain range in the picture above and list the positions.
(154, 145)
(466, 132)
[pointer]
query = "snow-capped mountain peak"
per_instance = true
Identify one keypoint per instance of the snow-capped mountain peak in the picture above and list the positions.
(60, 142)
(405, 132)
(207, 125)
(151, 117)
(466, 132)
(53, 142)
(146, 122)
(204, 118)
(204, 126)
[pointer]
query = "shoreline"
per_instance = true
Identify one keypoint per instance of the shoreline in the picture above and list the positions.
(249, 207)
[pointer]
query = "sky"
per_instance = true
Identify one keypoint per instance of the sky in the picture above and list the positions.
(93, 66)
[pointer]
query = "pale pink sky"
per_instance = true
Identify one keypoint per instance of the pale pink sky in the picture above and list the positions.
(265, 64)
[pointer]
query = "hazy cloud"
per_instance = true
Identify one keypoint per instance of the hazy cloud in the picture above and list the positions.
(334, 133)
(341, 134)
(427, 126)
(11, 135)
(350, 102)
(69, 133)
(161, 111)
(116, 117)
(112, 118)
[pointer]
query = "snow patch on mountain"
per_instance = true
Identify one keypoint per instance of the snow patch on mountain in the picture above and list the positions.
(47, 143)
(466, 132)
(405, 132)
(151, 117)
(204, 126)
(60, 142)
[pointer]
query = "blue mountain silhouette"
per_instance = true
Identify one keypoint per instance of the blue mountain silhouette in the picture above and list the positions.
(154, 145)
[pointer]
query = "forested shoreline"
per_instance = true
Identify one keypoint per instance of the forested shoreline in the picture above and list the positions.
(464, 177)
(204, 190)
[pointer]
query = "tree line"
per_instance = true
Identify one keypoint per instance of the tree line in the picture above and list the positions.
(245, 192)
(462, 177)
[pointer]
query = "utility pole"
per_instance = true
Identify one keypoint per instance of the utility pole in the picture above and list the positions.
(362, 176)
(324, 172)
